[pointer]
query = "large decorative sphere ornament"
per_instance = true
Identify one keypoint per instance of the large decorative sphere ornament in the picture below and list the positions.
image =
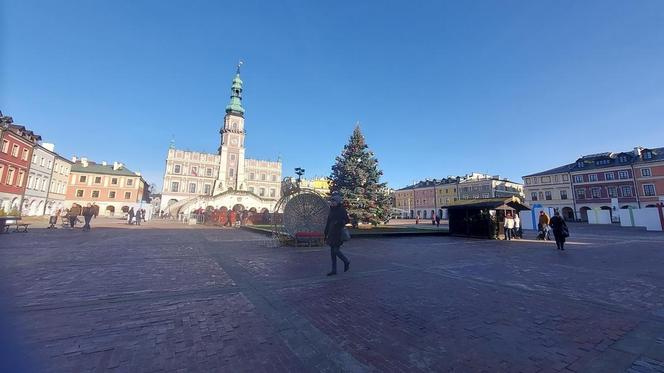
(299, 210)
(305, 212)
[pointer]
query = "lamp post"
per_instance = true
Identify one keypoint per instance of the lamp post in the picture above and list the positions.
(299, 172)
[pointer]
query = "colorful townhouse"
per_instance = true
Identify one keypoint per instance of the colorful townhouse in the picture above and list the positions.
(112, 187)
(551, 190)
(605, 181)
(649, 174)
(16, 144)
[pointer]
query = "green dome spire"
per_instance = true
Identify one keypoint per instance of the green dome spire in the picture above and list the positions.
(235, 105)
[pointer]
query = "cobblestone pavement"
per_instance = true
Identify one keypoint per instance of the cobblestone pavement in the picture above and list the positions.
(168, 297)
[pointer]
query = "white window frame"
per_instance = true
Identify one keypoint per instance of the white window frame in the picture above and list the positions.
(654, 191)
(645, 172)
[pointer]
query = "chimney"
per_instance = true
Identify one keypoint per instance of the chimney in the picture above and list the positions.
(103, 163)
(117, 166)
(637, 151)
(84, 162)
(74, 159)
(48, 146)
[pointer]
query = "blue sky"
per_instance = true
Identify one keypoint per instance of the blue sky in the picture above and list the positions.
(440, 87)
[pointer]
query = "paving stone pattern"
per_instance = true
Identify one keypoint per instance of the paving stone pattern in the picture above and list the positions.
(164, 297)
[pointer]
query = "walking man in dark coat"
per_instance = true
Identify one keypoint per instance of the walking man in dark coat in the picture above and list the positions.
(336, 221)
(88, 212)
(560, 230)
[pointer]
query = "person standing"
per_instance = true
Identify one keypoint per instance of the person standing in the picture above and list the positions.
(437, 221)
(560, 230)
(508, 226)
(53, 220)
(88, 213)
(517, 226)
(336, 222)
(130, 216)
(73, 217)
(433, 218)
(543, 224)
(138, 216)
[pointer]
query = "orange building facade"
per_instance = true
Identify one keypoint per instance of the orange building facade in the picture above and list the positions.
(112, 187)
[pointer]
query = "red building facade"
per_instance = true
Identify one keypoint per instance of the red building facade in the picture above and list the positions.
(16, 143)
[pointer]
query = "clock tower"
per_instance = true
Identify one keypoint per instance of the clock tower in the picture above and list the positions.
(231, 170)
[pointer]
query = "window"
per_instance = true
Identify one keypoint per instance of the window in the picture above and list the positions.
(82, 179)
(541, 196)
(273, 192)
(111, 194)
(194, 171)
(595, 193)
(177, 169)
(50, 164)
(208, 172)
(261, 192)
(263, 177)
(592, 177)
(252, 176)
(647, 155)
(556, 178)
(207, 188)
(127, 195)
(34, 158)
(25, 154)
(623, 175)
(563, 194)
(21, 176)
(578, 178)
(79, 193)
(645, 172)
(114, 181)
(251, 189)
(231, 172)
(622, 159)
(97, 179)
(175, 186)
(609, 176)
(547, 195)
(42, 162)
(527, 180)
(581, 193)
(602, 162)
(274, 177)
(15, 150)
(232, 157)
(192, 187)
(130, 182)
(649, 190)
(579, 164)
(10, 176)
(546, 179)
(95, 194)
(5, 146)
(565, 177)
(613, 192)
(626, 191)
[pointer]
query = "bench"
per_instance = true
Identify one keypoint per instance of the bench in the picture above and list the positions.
(309, 238)
(21, 225)
(16, 226)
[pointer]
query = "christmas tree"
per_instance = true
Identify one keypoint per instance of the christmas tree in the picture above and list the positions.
(356, 177)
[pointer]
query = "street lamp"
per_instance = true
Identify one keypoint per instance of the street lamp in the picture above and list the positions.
(299, 172)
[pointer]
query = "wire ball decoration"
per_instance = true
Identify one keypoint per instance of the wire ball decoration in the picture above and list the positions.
(304, 210)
